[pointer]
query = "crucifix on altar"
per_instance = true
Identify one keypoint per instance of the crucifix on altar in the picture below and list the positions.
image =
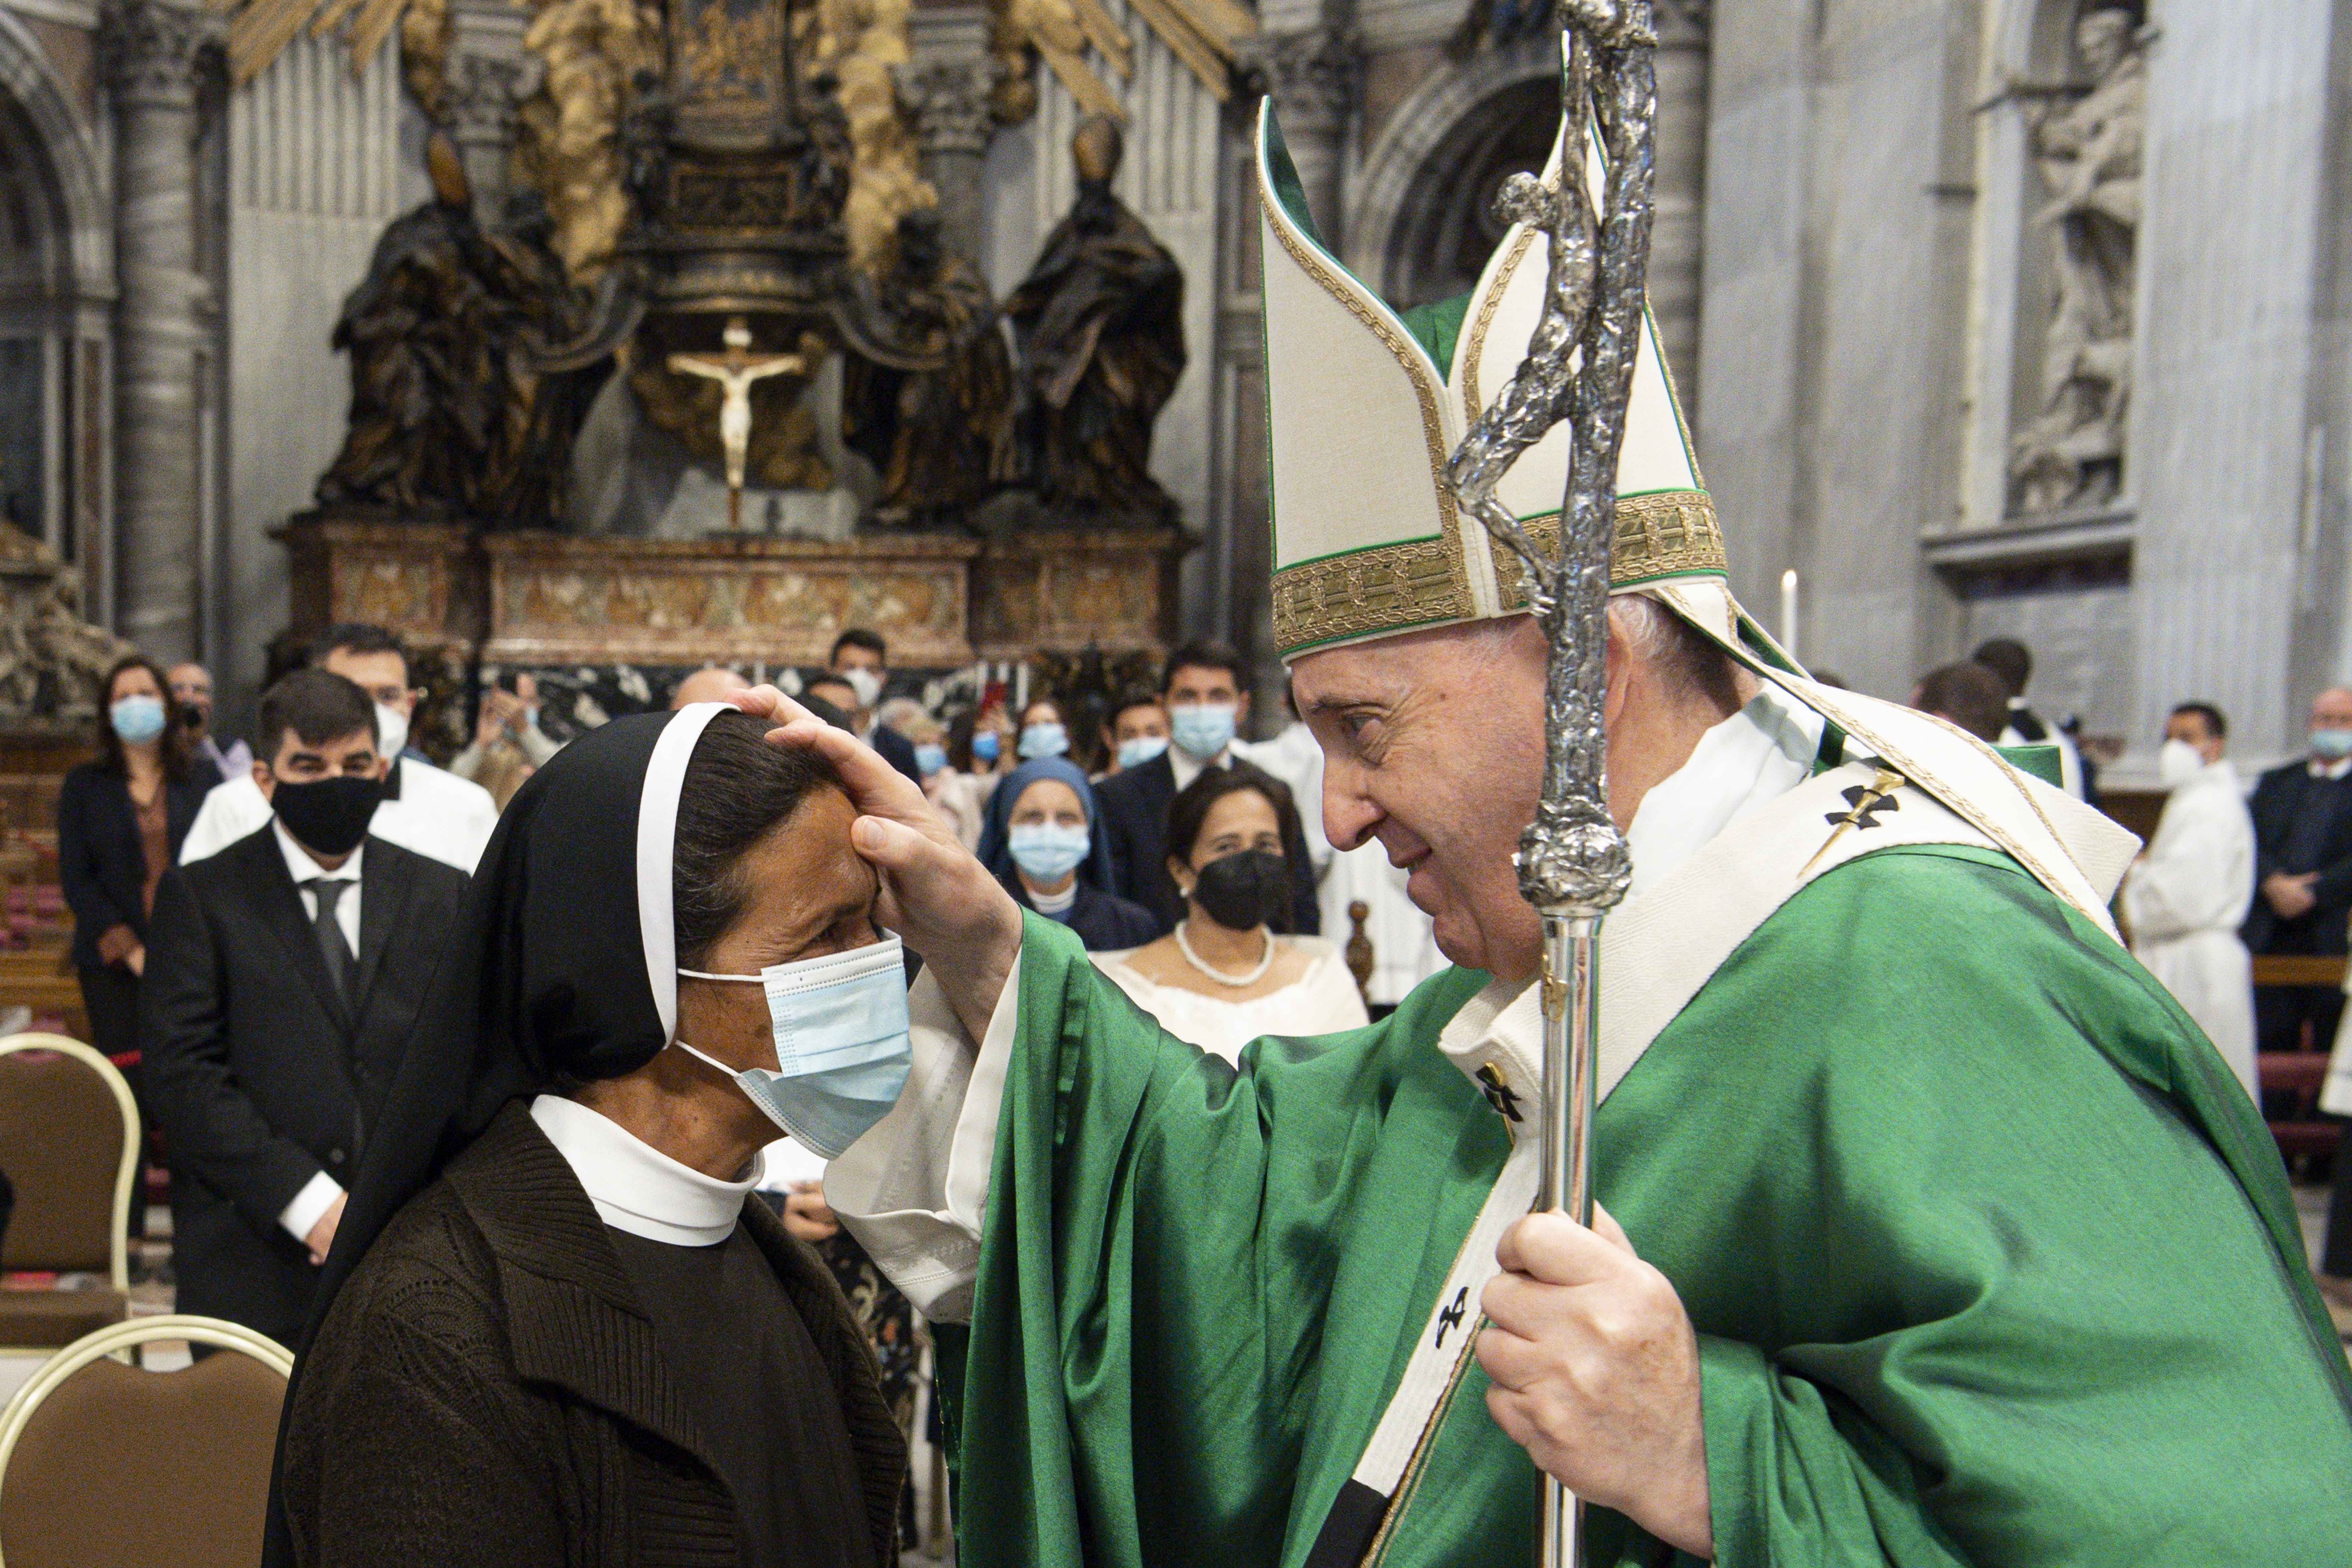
(735, 368)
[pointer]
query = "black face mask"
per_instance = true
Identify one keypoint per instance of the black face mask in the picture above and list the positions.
(328, 815)
(1246, 891)
(193, 717)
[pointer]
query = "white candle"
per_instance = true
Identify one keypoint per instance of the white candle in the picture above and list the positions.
(1789, 611)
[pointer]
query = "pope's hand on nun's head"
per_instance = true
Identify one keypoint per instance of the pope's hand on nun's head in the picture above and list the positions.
(1593, 1369)
(766, 702)
(935, 893)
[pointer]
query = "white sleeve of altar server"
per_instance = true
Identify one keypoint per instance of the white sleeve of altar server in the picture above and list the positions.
(914, 1191)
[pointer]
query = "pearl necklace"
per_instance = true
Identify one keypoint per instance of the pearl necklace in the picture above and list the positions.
(1264, 964)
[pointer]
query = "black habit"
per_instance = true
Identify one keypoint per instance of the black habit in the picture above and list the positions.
(489, 1381)
(1104, 922)
(494, 1385)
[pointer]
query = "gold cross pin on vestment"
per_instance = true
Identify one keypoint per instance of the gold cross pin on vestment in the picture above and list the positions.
(1867, 802)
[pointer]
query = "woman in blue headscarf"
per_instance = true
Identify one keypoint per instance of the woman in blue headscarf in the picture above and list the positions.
(1040, 841)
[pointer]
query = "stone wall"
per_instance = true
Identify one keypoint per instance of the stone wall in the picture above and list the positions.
(2229, 434)
(315, 173)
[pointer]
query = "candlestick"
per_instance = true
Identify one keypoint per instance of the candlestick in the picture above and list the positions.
(1789, 611)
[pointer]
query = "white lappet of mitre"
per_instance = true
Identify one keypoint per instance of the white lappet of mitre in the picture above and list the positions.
(1368, 543)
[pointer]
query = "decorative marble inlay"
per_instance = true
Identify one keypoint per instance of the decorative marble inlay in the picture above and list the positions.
(662, 600)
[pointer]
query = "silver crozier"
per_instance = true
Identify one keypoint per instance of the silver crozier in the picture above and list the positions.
(1573, 865)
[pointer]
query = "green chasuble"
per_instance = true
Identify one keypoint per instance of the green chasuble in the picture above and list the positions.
(1991, 1260)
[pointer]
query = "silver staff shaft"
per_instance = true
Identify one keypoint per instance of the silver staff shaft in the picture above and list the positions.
(1578, 371)
(1571, 1012)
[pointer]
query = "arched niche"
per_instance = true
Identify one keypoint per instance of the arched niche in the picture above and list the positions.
(57, 268)
(2053, 292)
(1422, 225)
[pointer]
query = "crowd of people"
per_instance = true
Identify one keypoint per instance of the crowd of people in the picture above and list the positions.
(1188, 859)
(2232, 872)
(259, 923)
(275, 935)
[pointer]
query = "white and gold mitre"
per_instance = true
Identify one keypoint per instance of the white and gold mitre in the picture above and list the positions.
(1362, 421)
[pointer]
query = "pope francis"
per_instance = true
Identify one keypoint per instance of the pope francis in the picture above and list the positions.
(1935, 1232)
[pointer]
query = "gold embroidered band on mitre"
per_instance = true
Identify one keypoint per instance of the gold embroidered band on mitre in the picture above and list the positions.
(1390, 588)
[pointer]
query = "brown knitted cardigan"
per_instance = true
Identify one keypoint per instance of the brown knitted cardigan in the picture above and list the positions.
(486, 1390)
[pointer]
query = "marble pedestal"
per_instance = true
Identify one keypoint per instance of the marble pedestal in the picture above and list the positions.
(525, 600)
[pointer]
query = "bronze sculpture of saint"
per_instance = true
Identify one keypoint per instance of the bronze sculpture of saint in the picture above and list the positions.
(446, 420)
(941, 439)
(425, 394)
(1098, 327)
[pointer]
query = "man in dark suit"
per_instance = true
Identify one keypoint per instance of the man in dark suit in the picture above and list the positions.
(1202, 690)
(283, 974)
(2303, 875)
(860, 662)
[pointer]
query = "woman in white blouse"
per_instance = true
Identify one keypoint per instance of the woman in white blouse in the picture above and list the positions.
(1223, 977)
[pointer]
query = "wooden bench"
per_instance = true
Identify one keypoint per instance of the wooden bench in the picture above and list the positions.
(2303, 1133)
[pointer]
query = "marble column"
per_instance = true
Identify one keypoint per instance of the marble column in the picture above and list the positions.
(155, 53)
(1680, 190)
(948, 98)
(1313, 75)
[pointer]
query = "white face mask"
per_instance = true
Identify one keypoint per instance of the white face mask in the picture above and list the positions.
(866, 683)
(841, 1044)
(2177, 761)
(390, 731)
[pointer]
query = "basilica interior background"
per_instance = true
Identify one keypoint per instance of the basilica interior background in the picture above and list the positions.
(2018, 317)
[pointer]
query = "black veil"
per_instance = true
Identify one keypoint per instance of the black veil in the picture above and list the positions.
(563, 965)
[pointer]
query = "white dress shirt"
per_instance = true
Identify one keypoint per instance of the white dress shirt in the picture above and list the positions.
(436, 814)
(637, 1188)
(303, 870)
(320, 1192)
(1188, 767)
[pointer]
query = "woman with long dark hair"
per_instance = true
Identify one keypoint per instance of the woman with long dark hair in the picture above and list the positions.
(1226, 974)
(119, 823)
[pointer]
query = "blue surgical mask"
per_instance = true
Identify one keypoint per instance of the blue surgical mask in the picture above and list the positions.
(1047, 851)
(137, 718)
(984, 745)
(1201, 730)
(1043, 739)
(2326, 742)
(929, 758)
(842, 1045)
(1137, 750)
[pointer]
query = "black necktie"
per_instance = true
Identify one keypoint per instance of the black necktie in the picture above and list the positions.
(329, 891)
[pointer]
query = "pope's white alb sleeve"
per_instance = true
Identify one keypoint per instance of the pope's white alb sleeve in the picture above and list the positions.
(914, 1191)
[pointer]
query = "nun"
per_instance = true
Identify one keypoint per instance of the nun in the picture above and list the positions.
(556, 1333)
(1041, 842)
